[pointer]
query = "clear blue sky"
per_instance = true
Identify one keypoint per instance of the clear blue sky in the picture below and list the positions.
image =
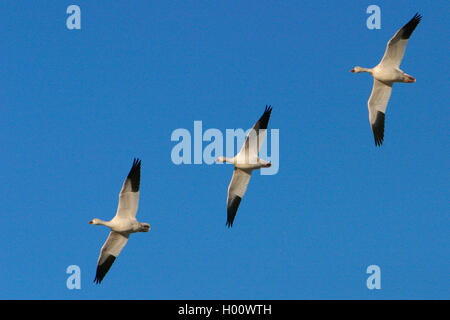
(78, 105)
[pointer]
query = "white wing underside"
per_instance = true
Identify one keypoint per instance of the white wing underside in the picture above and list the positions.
(239, 182)
(112, 246)
(128, 204)
(128, 201)
(379, 99)
(395, 50)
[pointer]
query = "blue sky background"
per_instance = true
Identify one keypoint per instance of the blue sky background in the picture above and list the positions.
(78, 106)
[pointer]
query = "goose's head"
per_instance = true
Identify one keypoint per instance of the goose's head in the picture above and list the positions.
(357, 69)
(94, 221)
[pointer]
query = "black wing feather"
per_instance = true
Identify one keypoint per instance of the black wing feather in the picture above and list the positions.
(408, 28)
(102, 269)
(135, 175)
(232, 208)
(264, 120)
(378, 128)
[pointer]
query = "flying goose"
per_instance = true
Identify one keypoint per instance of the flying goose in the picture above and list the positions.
(123, 223)
(244, 163)
(385, 74)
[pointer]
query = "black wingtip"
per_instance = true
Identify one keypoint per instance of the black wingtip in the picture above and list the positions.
(378, 129)
(135, 175)
(230, 220)
(136, 162)
(232, 208)
(411, 26)
(417, 16)
(268, 109)
(378, 142)
(103, 269)
(264, 120)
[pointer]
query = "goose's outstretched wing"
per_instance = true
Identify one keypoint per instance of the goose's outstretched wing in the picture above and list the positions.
(129, 195)
(377, 104)
(109, 252)
(256, 136)
(396, 46)
(236, 190)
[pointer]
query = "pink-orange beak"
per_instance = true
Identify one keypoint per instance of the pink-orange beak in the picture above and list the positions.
(91, 222)
(353, 70)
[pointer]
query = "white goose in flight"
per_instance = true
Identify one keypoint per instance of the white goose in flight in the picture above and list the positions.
(123, 223)
(244, 163)
(385, 74)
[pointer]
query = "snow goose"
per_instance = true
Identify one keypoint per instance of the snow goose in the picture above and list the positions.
(123, 223)
(244, 163)
(385, 74)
